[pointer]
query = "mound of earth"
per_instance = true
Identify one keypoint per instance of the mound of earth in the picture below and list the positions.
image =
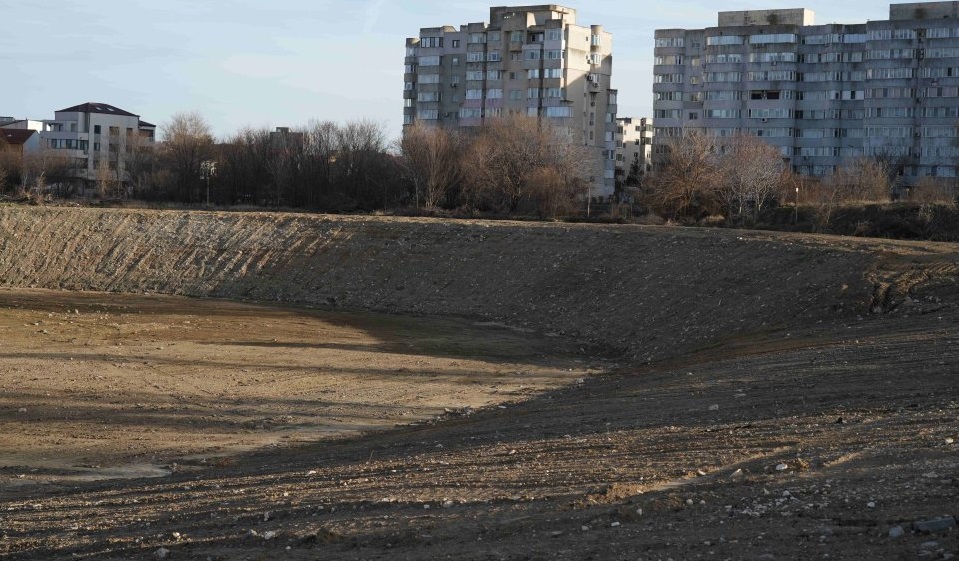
(732, 396)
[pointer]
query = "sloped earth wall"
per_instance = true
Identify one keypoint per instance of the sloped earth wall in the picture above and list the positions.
(649, 292)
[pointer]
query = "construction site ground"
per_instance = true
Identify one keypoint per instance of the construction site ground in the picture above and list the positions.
(146, 426)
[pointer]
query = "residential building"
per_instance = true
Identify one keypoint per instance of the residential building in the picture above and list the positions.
(528, 60)
(20, 141)
(822, 94)
(20, 124)
(100, 137)
(634, 149)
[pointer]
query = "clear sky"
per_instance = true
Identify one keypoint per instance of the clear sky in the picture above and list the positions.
(284, 62)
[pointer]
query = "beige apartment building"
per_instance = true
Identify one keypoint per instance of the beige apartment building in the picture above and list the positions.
(528, 60)
(634, 143)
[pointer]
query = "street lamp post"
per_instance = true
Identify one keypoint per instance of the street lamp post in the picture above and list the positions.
(796, 208)
(207, 170)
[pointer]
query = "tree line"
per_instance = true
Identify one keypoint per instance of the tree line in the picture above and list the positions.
(734, 179)
(514, 165)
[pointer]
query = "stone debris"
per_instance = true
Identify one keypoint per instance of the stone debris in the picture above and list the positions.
(896, 532)
(935, 525)
(161, 553)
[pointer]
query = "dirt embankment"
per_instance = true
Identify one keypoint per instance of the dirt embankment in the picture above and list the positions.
(646, 291)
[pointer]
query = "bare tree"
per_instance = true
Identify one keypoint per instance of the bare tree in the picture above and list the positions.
(508, 154)
(862, 179)
(431, 158)
(139, 162)
(105, 178)
(688, 182)
(10, 166)
(46, 169)
(187, 142)
(752, 175)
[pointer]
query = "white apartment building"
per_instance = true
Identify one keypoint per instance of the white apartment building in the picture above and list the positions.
(530, 60)
(821, 93)
(634, 148)
(98, 136)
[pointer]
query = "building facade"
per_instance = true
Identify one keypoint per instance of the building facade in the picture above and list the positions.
(528, 60)
(822, 94)
(99, 137)
(634, 149)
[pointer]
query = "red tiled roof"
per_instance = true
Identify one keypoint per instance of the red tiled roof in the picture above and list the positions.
(16, 137)
(93, 107)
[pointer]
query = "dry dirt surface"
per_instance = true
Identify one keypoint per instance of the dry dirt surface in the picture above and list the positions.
(808, 412)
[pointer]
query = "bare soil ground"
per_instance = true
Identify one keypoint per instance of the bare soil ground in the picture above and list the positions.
(98, 386)
(782, 419)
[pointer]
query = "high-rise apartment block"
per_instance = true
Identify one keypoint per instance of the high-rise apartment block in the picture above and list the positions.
(634, 142)
(528, 60)
(821, 93)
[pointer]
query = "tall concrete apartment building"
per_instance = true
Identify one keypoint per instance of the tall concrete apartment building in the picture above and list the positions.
(529, 60)
(634, 142)
(821, 93)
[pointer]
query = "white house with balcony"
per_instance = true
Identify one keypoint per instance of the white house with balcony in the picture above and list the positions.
(99, 136)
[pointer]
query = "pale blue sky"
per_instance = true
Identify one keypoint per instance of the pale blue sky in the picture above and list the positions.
(283, 62)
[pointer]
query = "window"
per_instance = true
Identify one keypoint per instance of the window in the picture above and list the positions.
(426, 97)
(772, 38)
(429, 79)
(670, 42)
(517, 37)
(476, 56)
(495, 93)
(494, 75)
(724, 40)
(429, 61)
(532, 73)
(554, 35)
(495, 36)
(554, 93)
(534, 55)
(431, 42)
(494, 57)
(477, 38)
(456, 43)
(96, 129)
(532, 93)
(474, 75)
(474, 94)
(553, 73)
(471, 113)
(556, 55)
(429, 114)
